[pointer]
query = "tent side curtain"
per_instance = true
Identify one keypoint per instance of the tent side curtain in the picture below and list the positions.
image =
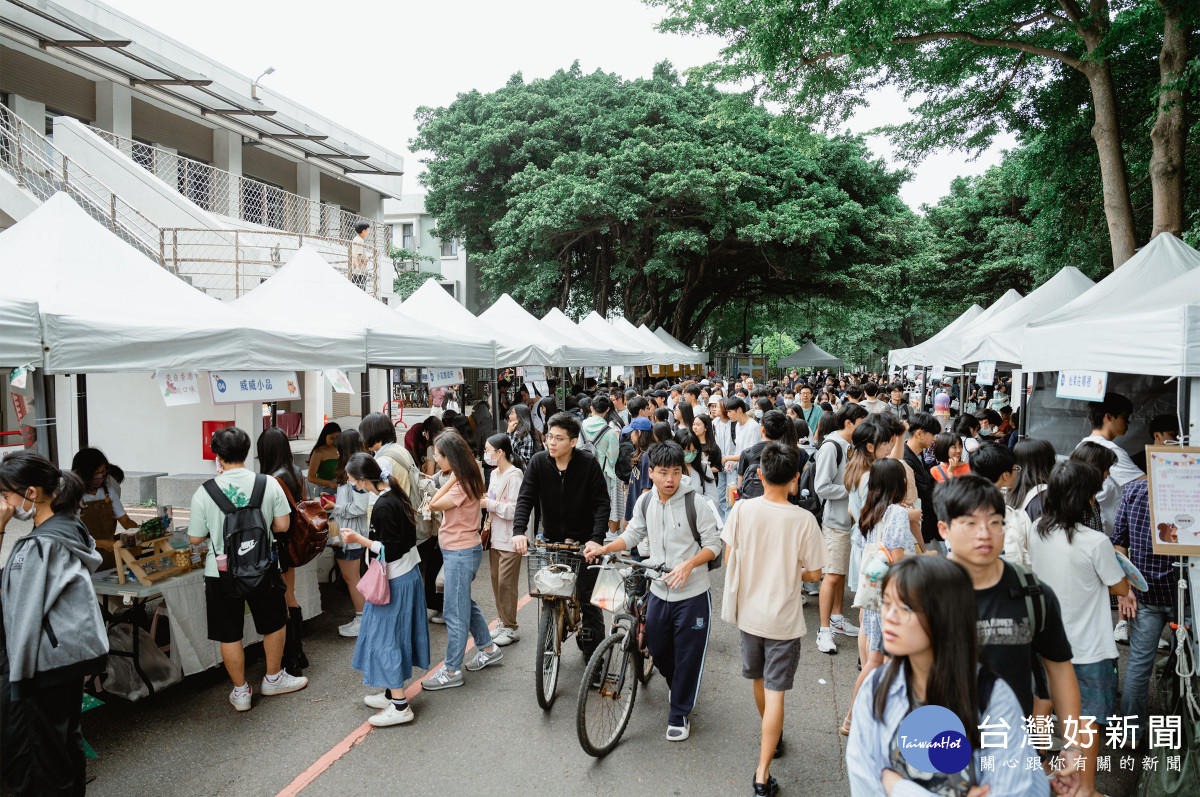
(20, 333)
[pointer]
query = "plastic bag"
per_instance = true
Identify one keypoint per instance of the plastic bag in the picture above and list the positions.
(122, 680)
(609, 592)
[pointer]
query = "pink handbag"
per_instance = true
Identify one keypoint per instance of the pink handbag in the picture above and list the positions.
(373, 586)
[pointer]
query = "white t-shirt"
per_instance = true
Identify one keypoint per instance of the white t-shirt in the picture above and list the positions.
(748, 434)
(1080, 573)
(110, 490)
(1124, 471)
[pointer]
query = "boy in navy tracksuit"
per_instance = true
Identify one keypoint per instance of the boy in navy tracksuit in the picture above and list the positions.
(677, 614)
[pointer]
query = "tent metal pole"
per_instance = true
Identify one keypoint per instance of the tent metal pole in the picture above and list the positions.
(495, 385)
(365, 384)
(81, 409)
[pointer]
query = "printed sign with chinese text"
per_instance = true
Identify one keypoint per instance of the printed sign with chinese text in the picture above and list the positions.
(1082, 385)
(1174, 473)
(233, 387)
(986, 374)
(443, 377)
(339, 381)
(534, 374)
(179, 387)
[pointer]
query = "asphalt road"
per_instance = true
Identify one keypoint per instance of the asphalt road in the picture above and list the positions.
(487, 737)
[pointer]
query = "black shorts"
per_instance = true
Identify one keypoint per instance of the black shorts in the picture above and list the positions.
(227, 615)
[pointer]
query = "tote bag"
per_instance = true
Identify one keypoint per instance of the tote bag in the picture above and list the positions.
(373, 586)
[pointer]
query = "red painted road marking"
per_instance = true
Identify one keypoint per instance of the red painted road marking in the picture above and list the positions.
(323, 763)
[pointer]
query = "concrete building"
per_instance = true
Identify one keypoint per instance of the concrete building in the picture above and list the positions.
(217, 178)
(412, 229)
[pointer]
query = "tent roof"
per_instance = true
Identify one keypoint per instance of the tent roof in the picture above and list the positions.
(1158, 332)
(915, 355)
(575, 338)
(20, 332)
(675, 343)
(949, 350)
(105, 307)
(999, 337)
(651, 346)
(811, 354)
(594, 325)
(528, 329)
(432, 305)
(390, 337)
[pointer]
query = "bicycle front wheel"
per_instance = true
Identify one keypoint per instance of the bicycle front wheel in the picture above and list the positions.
(604, 710)
(549, 648)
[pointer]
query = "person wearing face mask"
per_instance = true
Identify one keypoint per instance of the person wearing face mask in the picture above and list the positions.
(102, 509)
(53, 636)
(501, 506)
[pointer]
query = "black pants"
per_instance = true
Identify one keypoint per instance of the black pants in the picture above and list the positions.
(593, 618)
(41, 740)
(431, 565)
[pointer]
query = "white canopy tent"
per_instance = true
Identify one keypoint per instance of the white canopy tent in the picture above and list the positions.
(525, 329)
(107, 308)
(674, 343)
(599, 329)
(915, 355)
(573, 337)
(431, 305)
(20, 332)
(999, 337)
(949, 349)
(1157, 332)
(390, 337)
(651, 346)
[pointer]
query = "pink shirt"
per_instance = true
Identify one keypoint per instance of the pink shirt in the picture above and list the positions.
(460, 525)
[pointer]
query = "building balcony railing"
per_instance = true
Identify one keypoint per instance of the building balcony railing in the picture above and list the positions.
(233, 195)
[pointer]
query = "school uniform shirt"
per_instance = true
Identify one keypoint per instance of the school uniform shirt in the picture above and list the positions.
(1080, 571)
(1008, 642)
(770, 546)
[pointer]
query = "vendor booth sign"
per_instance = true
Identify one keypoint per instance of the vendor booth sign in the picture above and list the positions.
(178, 388)
(339, 381)
(443, 377)
(233, 387)
(1174, 499)
(591, 372)
(986, 374)
(937, 372)
(1081, 385)
(533, 373)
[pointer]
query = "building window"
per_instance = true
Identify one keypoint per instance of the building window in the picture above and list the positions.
(262, 203)
(406, 237)
(194, 180)
(450, 248)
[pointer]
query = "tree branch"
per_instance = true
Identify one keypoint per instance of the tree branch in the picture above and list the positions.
(1074, 12)
(953, 35)
(1004, 86)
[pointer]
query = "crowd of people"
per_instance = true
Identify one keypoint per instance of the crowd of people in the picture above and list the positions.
(981, 567)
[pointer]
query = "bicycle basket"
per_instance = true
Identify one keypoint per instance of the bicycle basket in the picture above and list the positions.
(553, 573)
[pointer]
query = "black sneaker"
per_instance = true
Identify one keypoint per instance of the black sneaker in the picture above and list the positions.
(768, 789)
(780, 748)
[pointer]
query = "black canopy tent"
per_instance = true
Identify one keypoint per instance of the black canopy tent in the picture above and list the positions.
(812, 355)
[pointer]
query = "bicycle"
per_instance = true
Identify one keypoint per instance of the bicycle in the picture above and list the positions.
(553, 573)
(620, 663)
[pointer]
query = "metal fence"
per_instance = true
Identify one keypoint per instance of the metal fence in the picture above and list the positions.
(43, 171)
(229, 263)
(219, 191)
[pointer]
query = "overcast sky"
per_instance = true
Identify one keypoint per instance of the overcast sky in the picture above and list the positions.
(369, 64)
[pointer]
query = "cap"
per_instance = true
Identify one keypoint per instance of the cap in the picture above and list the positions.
(640, 424)
(705, 382)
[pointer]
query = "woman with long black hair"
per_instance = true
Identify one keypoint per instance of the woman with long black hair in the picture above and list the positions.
(928, 614)
(322, 461)
(1035, 462)
(501, 506)
(525, 439)
(53, 635)
(275, 459)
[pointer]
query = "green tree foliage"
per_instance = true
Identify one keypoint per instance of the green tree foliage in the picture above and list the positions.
(407, 282)
(667, 200)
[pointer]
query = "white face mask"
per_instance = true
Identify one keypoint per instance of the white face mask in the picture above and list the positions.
(489, 458)
(21, 513)
(758, 414)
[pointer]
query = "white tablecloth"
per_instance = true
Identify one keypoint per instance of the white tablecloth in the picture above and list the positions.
(184, 597)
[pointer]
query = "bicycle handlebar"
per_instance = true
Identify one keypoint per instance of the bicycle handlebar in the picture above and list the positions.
(557, 546)
(610, 559)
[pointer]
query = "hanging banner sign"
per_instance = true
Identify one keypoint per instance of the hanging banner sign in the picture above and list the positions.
(443, 377)
(543, 389)
(591, 372)
(233, 387)
(986, 374)
(937, 372)
(1082, 385)
(533, 374)
(911, 373)
(1174, 473)
(178, 388)
(21, 406)
(18, 378)
(339, 380)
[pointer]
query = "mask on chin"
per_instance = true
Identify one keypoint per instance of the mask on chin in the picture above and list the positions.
(21, 513)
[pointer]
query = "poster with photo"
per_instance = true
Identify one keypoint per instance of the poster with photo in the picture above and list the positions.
(1174, 473)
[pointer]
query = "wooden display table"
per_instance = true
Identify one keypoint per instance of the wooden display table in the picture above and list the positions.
(137, 559)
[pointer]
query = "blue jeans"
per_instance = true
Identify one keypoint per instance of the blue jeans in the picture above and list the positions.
(1144, 630)
(460, 610)
(723, 494)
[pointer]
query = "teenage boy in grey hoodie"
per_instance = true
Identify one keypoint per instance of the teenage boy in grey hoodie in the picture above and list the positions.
(677, 615)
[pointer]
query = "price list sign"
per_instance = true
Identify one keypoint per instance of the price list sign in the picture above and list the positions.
(1174, 499)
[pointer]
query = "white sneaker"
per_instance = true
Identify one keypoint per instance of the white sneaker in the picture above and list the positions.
(811, 587)
(1164, 644)
(240, 702)
(505, 636)
(378, 701)
(844, 627)
(437, 617)
(803, 599)
(351, 628)
(825, 642)
(1121, 631)
(286, 683)
(676, 733)
(483, 658)
(390, 716)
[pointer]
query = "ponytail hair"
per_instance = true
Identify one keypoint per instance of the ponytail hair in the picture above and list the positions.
(364, 466)
(25, 469)
(501, 442)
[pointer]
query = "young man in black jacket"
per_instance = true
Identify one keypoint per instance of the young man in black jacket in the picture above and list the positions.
(922, 428)
(569, 487)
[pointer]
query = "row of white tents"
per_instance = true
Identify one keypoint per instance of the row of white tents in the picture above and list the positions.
(78, 299)
(1143, 318)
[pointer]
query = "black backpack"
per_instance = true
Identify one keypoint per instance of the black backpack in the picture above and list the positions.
(249, 546)
(751, 485)
(808, 483)
(624, 465)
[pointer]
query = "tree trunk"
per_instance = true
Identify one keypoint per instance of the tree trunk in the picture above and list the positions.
(1169, 134)
(1118, 209)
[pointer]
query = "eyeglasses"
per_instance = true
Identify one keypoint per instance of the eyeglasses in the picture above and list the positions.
(903, 613)
(558, 438)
